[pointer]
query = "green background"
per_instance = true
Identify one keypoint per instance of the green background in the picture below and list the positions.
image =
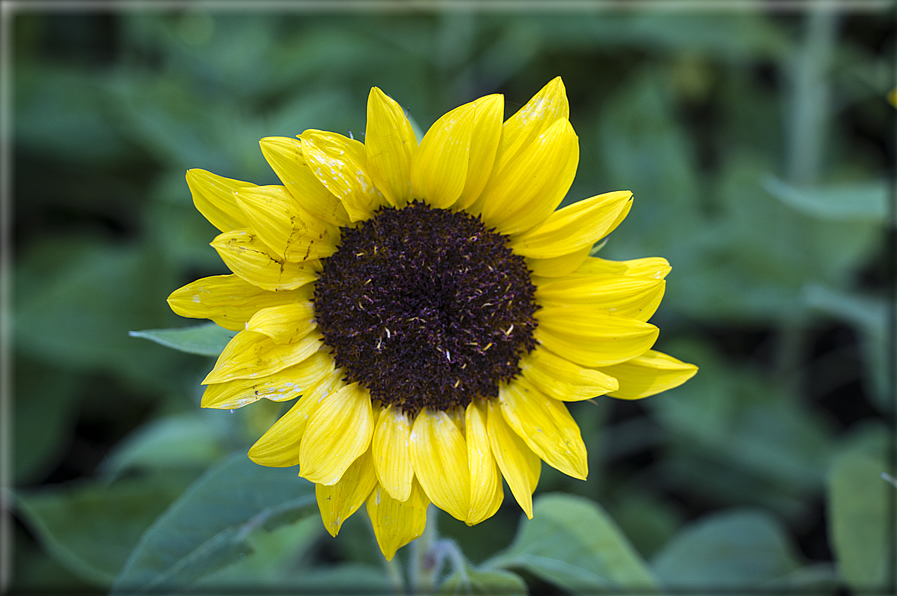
(760, 150)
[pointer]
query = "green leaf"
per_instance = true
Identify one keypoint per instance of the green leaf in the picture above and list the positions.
(574, 544)
(195, 439)
(865, 312)
(861, 201)
(763, 251)
(90, 527)
(645, 149)
(77, 296)
(43, 408)
(740, 437)
(647, 520)
(62, 115)
(36, 573)
(207, 339)
(277, 554)
(715, 37)
(869, 314)
(471, 581)
(743, 548)
(858, 502)
(347, 578)
(206, 529)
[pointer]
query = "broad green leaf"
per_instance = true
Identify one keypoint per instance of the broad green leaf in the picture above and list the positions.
(43, 407)
(764, 252)
(77, 296)
(740, 436)
(715, 36)
(869, 314)
(863, 311)
(165, 117)
(471, 581)
(37, 573)
(346, 578)
(276, 560)
(861, 201)
(195, 439)
(206, 529)
(645, 149)
(90, 527)
(647, 520)
(817, 579)
(62, 114)
(858, 505)
(574, 544)
(735, 548)
(207, 339)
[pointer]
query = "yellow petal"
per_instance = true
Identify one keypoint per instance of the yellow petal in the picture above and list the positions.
(653, 267)
(439, 168)
(213, 197)
(284, 155)
(650, 373)
(339, 501)
(284, 227)
(229, 300)
(561, 379)
(251, 355)
(546, 426)
(291, 382)
(498, 497)
(484, 478)
(439, 457)
(483, 147)
(279, 446)
(523, 192)
(558, 266)
(248, 257)
(309, 247)
(390, 143)
(533, 119)
(392, 459)
(476, 208)
(286, 323)
(338, 432)
(396, 523)
(268, 210)
(517, 462)
(633, 297)
(340, 164)
(574, 227)
(592, 338)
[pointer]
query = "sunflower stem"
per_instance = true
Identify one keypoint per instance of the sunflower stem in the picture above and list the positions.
(806, 129)
(422, 574)
(394, 572)
(447, 548)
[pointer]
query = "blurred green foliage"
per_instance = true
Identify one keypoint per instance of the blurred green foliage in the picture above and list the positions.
(758, 148)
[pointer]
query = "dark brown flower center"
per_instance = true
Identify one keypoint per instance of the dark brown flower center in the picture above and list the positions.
(426, 307)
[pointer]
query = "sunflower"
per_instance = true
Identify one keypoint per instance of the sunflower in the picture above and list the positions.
(428, 306)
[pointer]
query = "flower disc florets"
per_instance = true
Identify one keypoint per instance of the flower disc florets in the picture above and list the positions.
(426, 307)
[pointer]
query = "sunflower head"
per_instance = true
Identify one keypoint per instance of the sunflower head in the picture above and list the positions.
(429, 307)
